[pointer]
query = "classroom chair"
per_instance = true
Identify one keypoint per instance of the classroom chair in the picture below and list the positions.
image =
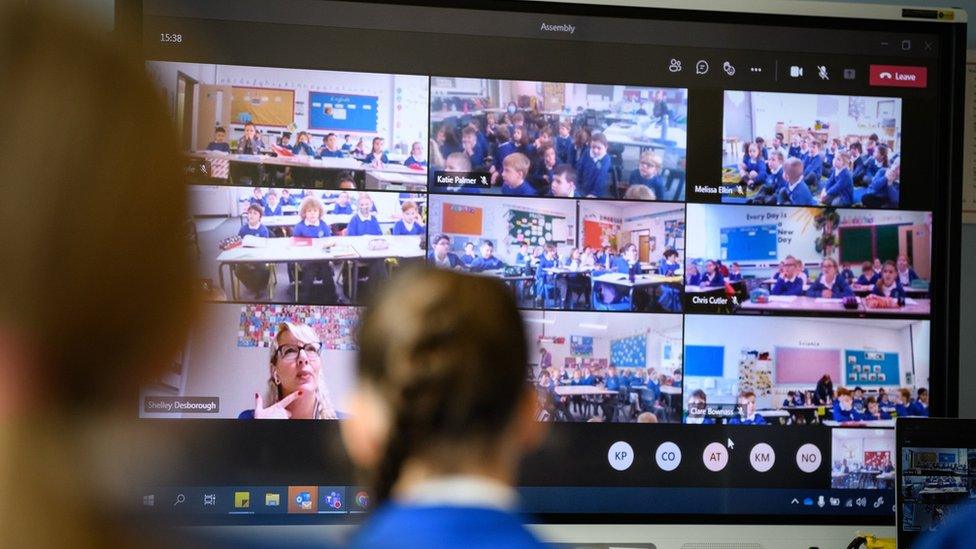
(617, 181)
(597, 305)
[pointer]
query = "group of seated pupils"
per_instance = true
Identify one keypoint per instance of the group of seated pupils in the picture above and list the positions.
(568, 287)
(844, 406)
(316, 280)
(638, 398)
(527, 155)
(252, 143)
(886, 279)
(808, 172)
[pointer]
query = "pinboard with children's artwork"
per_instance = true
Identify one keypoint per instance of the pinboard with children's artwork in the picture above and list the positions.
(580, 345)
(536, 228)
(629, 352)
(870, 368)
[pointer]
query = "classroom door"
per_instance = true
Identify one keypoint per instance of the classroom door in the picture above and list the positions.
(213, 109)
(644, 247)
(915, 241)
(185, 110)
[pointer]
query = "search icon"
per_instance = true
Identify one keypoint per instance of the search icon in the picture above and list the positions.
(179, 499)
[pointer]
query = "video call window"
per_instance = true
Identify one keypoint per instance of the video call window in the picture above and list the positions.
(935, 484)
(303, 245)
(769, 259)
(275, 127)
(558, 139)
(598, 367)
(565, 254)
(862, 458)
(801, 371)
(808, 149)
(274, 351)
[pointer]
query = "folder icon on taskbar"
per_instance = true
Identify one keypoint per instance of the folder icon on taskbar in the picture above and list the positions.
(242, 500)
(272, 499)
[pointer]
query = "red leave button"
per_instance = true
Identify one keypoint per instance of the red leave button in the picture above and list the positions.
(898, 76)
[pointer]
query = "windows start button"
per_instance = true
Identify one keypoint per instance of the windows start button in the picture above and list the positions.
(897, 76)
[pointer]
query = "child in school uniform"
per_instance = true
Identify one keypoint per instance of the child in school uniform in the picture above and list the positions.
(250, 142)
(857, 400)
(312, 226)
(692, 276)
(711, 278)
(858, 163)
(843, 409)
(416, 158)
(272, 207)
(752, 169)
(564, 182)
(257, 197)
(254, 277)
(794, 191)
(813, 167)
(302, 146)
(889, 285)
(670, 297)
(774, 180)
(884, 188)
(544, 170)
(698, 408)
(839, 188)
(330, 147)
(648, 174)
(469, 254)
(906, 275)
(470, 148)
(847, 273)
(346, 144)
(363, 222)
(523, 257)
(830, 284)
(735, 272)
(872, 411)
(440, 255)
(747, 411)
(342, 206)
(254, 227)
(544, 284)
(877, 161)
(377, 156)
(794, 150)
(594, 169)
(514, 170)
(581, 145)
(627, 262)
(487, 260)
(921, 405)
(565, 148)
(790, 282)
(410, 223)
(219, 142)
(868, 276)
(904, 403)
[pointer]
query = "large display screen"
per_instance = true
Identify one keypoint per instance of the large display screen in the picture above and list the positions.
(715, 259)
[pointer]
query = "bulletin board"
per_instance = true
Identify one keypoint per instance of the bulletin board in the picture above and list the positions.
(803, 366)
(704, 360)
(580, 345)
(597, 234)
(342, 111)
(536, 228)
(674, 234)
(262, 106)
(335, 326)
(458, 219)
(871, 368)
(749, 243)
(629, 352)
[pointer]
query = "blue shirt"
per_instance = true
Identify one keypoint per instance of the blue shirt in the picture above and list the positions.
(713, 281)
(840, 188)
(785, 287)
(897, 291)
(879, 189)
(668, 269)
(411, 161)
(799, 196)
(371, 157)
(302, 148)
(303, 230)
(656, 184)
(261, 231)
(481, 264)
(337, 209)
(522, 189)
(565, 150)
(838, 289)
(275, 211)
(593, 176)
(436, 527)
(868, 281)
(775, 181)
(843, 415)
(400, 228)
(452, 260)
(756, 420)
(358, 226)
(222, 147)
(326, 153)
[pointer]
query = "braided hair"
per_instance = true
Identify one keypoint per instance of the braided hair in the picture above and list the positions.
(452, 371)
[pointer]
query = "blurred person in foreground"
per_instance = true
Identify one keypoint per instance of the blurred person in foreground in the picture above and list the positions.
(94, 281)
(442, 413)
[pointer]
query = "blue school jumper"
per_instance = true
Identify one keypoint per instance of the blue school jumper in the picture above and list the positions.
(756, 420)
(504, 150)
(735, 277)
(695, 280)
(565, 150)
(912, 276)
(813, 165)
(593, 176)
(269, 211)
(543, 282)
(840, 188)
(481, 264)
(799, 196)
(879, 189)
(715, 281)
(785, 287)
(896, 292)
(656, 184)
(468, 259)
(452, 260)
(411, 161)
(371, 157)
(838, 289)
(326, 153)
(261, 231)
(477, 159)
(400, 228)
(758, 165)
(337, 209)
(871, 168)
(303, 149)
(866, 416)
(774, 181)
(843, 415)
(434, 527)
(865, 281)
(858, 169)
(793, 152)
(918, 409)
(522, 189)
(357, 226)
(302, 230)
(222, 147)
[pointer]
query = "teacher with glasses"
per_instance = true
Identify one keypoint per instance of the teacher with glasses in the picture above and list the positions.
(295, 390)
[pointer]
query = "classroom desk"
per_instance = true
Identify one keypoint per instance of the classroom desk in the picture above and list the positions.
(913, 306)
(372, 247)
(237, 162)
(510, 280)
(583, 390)
(869, 423)
(640, 281)
(384, 179)
(696, 289)
(863, 290)
(808, 412)
(631, 135)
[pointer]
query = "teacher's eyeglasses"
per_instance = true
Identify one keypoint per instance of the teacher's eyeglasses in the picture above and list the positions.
(289, 353)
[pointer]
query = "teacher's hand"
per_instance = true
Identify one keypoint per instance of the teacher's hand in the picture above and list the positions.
(278, 410)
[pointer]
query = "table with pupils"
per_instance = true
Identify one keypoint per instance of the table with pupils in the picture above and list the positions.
(835, 305)
(347, 250)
